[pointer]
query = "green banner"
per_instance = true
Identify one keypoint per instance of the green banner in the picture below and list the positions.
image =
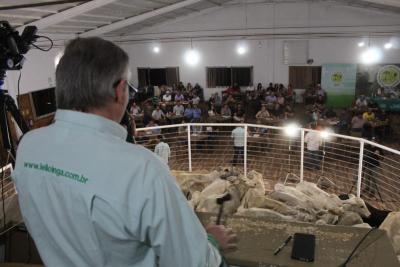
(339, 83)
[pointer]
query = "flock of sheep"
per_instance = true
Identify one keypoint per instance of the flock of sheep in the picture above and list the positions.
(304, 202)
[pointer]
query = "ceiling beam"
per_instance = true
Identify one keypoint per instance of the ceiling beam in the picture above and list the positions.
(390, 3)
(68, 13)
(136, 19)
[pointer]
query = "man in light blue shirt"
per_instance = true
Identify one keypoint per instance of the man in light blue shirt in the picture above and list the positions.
(87, 197)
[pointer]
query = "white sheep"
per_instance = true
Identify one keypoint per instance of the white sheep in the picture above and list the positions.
(263, 214)
(350, 218)
(356, 205)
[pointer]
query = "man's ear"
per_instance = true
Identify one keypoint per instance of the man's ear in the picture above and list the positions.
(120, 91)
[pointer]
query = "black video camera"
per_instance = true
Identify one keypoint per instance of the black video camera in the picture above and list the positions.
(13, 46)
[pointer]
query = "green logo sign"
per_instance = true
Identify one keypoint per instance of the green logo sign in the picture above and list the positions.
(337, 78)
(388, 76)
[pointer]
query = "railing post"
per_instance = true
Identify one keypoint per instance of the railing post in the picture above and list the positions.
(302, 156)
(360, 167)
(189, 148)
(245, 151)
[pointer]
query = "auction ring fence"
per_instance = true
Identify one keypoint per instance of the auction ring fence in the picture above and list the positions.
(342, 165)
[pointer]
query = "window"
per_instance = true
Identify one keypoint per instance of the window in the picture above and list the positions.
(228, 76)
(158, 76)
(304, 76)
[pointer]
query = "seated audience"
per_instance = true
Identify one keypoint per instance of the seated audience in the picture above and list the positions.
(196, 117)
(320, 94)
(152, 123)
(330, 114)
(188, 112)
(179, 96)
(212, 111)
(135, 110)
(167, 97)
(270, 99)
(361, 102)
(147, 112)
(369, 115)
(158, 114)
(195, 99)
(263, 113)
(226, 111)
(357, 123)
(179, 109)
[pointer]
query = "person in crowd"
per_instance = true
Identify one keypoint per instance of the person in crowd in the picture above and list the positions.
(361, 102)
(179, 96)
(280, 105)
(196, 113)
(216, 100)
(270, 87)
(320, 94)
(313, 140)
(230, 101)
(270, 99)
(259, 87)
(212, 112)
(135, 110)
(195, 99)
(238, 144)
(179, 109)
(199, 91)
(369, 115)
(290, 94)
(357, 123)
(226, 111)
(162, 149)
(189, 87)
(263, 114)
(239, 113)
(84, 218)
(154, 132)
(330, 114)
(158, 114)
(147, 112)
(181, 87)
(188, 112)
(167, 97)
(345, 119)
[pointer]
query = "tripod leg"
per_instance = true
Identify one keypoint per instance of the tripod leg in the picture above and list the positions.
(10, 104)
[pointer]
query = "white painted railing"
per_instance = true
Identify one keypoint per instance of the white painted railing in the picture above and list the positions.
(344, 164)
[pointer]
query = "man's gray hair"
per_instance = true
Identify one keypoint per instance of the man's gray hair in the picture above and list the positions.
(88, 72)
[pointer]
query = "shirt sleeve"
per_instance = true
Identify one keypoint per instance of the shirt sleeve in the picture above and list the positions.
(171, 227)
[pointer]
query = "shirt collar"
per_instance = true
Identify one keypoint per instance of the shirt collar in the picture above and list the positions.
(92, 121)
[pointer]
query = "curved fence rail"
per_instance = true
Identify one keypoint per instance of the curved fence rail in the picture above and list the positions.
(342, 164)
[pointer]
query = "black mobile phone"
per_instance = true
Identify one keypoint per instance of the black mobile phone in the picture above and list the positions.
(303, 247)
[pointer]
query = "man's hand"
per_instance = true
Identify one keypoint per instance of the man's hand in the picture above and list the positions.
(225, 237)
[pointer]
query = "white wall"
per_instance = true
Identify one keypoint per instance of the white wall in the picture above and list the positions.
(38, 72)
(262, 19)
(266, 60)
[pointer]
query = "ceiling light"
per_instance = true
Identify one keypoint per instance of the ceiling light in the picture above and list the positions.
(371, 56)
(361, 44)
(241, 50)
(192, 57)
(388, 45)
(156, 49)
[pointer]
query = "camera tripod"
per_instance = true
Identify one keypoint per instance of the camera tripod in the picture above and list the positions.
(8, 107)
